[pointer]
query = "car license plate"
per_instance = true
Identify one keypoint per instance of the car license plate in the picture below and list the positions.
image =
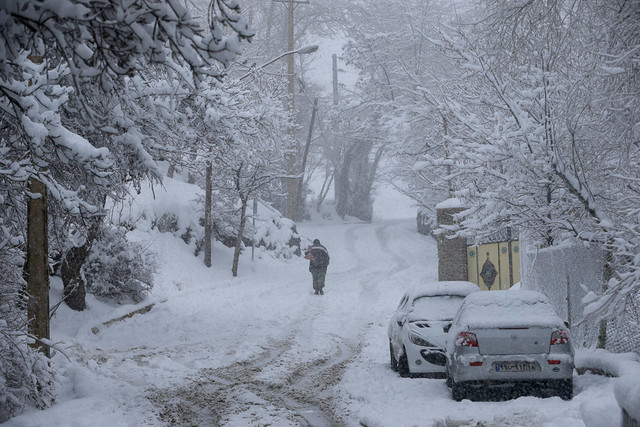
(515, 366)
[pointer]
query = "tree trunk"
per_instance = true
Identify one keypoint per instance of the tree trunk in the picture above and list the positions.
(38, 265)
(342, 182)
(362, 207)
(75, 291)
(236, 252)
(607, 275)
(208, 235)
(326, 185)
(342, 191)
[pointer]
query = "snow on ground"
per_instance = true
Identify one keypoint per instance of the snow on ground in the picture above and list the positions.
(262, 349)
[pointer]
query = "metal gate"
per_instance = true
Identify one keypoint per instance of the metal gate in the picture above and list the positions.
(494, 266)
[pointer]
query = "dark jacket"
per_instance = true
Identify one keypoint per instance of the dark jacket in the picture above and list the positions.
(318, 256)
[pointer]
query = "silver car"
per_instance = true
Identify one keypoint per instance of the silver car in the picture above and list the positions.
(509, 340)
(417, 330)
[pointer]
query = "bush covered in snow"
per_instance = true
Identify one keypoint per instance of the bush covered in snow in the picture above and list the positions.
(25, 377)
(117, 269)
(26, 380)
(276, 233)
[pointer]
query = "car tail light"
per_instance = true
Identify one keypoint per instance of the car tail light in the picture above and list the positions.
(559, 337)
(553, 362)
(475, 363)
(467, 339)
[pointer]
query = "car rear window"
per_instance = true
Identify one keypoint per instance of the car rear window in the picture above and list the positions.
(441, 307)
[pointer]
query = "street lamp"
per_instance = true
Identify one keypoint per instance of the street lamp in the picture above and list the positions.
(310, 48)
(292, 179)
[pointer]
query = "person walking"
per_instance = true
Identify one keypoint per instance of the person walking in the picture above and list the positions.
(318, 257)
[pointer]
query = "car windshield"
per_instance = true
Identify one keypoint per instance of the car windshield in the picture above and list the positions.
(440, 307)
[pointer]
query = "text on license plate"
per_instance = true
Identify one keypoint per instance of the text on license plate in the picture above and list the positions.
(515, 366)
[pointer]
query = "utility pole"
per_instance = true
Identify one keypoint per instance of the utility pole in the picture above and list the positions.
(37, 262)
(305, 152)
(38, 266)
(292, 182)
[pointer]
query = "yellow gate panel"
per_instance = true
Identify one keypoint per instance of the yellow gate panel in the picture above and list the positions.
(488, 267)
(472, 264)
(494, 266)
(515, 260)
(505, 273)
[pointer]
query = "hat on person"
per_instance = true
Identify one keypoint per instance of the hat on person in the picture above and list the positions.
(316, 242)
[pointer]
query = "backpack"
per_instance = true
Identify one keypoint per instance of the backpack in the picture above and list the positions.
(308, 254)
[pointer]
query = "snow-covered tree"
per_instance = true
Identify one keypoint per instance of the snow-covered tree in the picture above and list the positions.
(527, 110)
(67, 130)
(251, 162)
(544, 129)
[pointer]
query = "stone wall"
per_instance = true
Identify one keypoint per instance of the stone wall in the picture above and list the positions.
(452, 252)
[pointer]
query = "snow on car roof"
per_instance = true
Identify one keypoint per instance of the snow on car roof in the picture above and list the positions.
(502, 308)
(461, 288)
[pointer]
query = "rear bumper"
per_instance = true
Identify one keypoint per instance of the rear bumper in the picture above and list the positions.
(500, 391)
(486, 373)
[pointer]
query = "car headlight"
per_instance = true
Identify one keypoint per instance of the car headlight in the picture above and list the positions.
(418, 340)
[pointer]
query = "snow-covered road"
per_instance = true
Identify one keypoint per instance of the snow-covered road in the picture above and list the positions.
(262, 349)
(390, 256)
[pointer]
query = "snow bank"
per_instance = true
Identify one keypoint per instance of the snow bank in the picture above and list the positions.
(627, 391)
(626, 366)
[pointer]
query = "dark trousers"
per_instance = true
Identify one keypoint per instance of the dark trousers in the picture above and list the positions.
(318, 278)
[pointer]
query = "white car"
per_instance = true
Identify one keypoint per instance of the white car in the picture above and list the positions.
(510, 343)
(417, 330)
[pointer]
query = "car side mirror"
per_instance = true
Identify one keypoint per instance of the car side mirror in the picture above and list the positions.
(446, 327)
(567, 324)
(400, 319)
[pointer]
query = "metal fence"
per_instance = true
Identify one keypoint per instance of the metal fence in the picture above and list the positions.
(623, 333)
(560, 273)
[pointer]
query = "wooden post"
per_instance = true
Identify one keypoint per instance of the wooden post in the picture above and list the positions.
(38, 265)
(569, 320)
(208, 201)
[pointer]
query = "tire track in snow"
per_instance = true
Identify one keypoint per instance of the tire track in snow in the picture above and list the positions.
(295, 392)
(301, 395)
(382, 250)
(282, 383)
(383, 238)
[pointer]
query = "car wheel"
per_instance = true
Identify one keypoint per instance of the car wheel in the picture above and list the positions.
(565, 389)
(458, 391)
(403, 364)
(393, 361)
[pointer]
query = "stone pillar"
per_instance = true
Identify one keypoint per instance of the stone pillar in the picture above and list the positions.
(452, 253)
